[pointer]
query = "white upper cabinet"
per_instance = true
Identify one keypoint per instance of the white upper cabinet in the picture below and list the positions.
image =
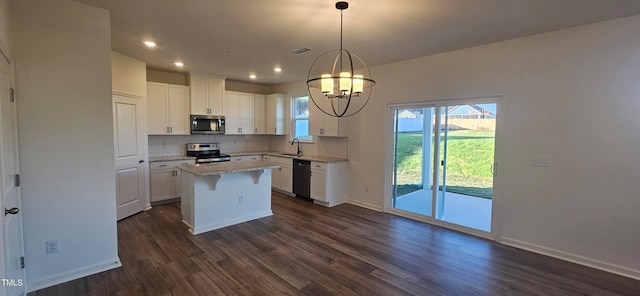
(230, 113)
(179, 109)
(167, 109)
(239, 113)
(246, 113)
(207, 94)
(259, 111)
(275, 114)
(321, 124)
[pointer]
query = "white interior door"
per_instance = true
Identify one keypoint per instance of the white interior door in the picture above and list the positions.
(12, 270)
(131, 169)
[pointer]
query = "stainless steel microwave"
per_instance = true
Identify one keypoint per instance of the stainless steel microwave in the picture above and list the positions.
(207, 124)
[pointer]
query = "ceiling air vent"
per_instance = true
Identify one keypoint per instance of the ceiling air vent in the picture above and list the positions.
(301, 50)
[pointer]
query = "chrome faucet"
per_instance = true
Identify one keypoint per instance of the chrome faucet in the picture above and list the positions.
(292, 141)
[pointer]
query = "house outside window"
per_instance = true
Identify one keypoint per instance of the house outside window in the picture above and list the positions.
(300, 118)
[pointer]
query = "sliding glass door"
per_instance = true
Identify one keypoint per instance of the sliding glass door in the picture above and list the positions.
(414, 140)
(451, 146)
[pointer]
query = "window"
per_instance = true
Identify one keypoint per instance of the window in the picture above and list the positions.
(300, 118)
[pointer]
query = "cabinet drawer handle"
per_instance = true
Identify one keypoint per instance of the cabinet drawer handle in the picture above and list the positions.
(162, 166)
(317, 166)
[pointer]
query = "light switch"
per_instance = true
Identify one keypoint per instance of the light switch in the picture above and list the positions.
(540, 161)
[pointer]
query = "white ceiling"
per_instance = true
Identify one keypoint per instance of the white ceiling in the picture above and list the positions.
(233, 38)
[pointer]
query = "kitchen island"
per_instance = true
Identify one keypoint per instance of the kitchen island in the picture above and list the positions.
(222, 194)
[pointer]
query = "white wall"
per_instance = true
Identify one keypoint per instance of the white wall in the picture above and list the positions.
(571, 95)
(63, 77)
(128, 75)
(4, 28)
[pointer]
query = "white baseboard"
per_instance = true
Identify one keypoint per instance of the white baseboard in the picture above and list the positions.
(72, 275)
(229, 222)
(283, 192)
(365, 205)
(327, 204)
(612, 268)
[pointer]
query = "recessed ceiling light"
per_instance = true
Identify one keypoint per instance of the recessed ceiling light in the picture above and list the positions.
(150, 43)
(277, 69)
(253, 76)
(179, 64)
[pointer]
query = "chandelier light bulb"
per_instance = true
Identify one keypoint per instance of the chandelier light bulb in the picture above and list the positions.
(358, 84)
(345, 82)
(327, 84)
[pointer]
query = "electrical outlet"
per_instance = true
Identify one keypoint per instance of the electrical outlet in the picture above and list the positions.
(241, 199)
(52, 246)
(366, 188)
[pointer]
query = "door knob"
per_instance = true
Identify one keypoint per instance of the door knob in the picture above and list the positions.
(11, 211)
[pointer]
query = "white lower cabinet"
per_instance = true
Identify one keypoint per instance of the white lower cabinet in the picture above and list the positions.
(246, 158)
(281, 178)
(329, 182)
(166, 180)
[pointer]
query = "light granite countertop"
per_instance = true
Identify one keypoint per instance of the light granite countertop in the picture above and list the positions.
(220, 168)
(170, 158)
(317, 158)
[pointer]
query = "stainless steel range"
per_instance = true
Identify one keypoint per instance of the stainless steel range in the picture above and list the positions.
(206, 152)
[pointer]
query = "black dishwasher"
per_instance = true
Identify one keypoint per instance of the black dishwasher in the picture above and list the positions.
(302, 178)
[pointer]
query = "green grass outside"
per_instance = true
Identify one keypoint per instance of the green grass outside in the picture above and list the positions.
(469, 158)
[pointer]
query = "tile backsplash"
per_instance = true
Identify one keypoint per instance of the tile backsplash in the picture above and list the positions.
(176, 145)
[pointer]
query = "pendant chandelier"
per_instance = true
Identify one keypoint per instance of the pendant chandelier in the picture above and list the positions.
(339, 82)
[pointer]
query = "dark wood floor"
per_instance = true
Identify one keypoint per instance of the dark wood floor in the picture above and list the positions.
(304, 249)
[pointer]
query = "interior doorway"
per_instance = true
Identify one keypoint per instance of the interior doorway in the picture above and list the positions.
(12, 271)
(443, 161)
